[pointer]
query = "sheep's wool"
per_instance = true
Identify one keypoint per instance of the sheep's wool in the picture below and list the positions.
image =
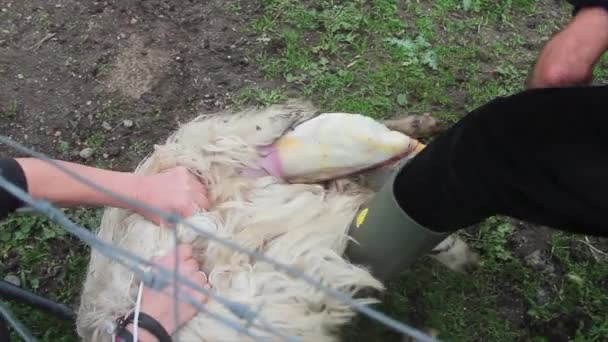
(302, 225)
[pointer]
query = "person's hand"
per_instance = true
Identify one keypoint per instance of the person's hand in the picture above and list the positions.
(161, 305)
(175, 190)
(568, 58)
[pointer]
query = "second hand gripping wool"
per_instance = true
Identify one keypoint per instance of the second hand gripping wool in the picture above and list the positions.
(244, 159)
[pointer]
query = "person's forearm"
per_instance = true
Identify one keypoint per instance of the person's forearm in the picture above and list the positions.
(569, 57)
(175, 190)
(591, 28)
(44, 181)
(540, 156)
(581, 4)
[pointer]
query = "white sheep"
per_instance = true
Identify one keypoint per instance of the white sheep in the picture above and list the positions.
(302, 225)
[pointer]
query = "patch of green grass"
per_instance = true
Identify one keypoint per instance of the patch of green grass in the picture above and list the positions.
(42, 17)
(103, 164)
(63, 147)
(363, 55)
(111, 107)
(493, 9)
(138, 147)
(96, 140)
(49, 262)
(601, 72)
(495, 235)
(581, 291)
(260, 97)
(10, 112)
(103, 69)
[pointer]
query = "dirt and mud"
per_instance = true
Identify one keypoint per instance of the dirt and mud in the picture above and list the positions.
(117, 76)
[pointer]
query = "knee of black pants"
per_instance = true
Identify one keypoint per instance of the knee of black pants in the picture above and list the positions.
(528, 156)
(455, 181)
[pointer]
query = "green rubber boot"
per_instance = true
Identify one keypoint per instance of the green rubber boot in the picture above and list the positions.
(387, 240)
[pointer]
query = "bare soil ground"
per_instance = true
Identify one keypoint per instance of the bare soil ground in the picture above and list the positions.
(74, 71)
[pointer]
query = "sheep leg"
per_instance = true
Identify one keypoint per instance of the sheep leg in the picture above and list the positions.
(452, 252)
(415, 126)
(455, 254)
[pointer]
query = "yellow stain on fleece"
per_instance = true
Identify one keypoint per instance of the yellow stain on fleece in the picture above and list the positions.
(292, 143)
(287, 142)
(388, 149)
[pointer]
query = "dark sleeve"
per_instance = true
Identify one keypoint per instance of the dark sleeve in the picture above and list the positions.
(12, 171)
(540, 156)
(578, 4)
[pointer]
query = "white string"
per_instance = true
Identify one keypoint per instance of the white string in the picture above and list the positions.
(137, 309)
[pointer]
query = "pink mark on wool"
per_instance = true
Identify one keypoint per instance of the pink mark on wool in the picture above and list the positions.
(271, 162)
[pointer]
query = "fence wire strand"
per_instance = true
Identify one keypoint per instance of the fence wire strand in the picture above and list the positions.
(6, 314)
(131, 261)
(160, 281)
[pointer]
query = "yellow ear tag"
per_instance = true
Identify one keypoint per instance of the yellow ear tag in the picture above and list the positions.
(361, 217)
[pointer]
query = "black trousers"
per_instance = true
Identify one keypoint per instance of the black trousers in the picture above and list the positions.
(540, 156)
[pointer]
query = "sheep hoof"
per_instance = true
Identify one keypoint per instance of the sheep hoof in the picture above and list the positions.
(415, 126)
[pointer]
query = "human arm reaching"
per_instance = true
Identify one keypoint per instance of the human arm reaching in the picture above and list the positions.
(174, 190)
(569, 57)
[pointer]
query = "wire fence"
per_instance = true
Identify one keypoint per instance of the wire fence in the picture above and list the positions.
(245, 320)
